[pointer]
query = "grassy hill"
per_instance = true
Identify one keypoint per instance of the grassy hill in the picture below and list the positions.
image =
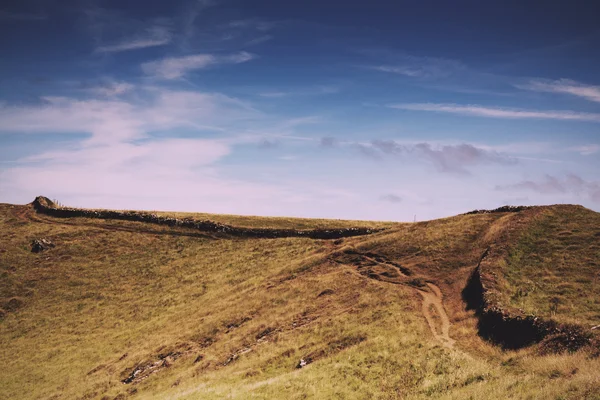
(124, 309)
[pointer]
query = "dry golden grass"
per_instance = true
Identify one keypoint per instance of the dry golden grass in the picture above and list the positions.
(231, 317)
(553, 266)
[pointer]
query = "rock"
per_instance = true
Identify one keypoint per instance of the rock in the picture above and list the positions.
(39, 245)
(326, 292)
(13, 304)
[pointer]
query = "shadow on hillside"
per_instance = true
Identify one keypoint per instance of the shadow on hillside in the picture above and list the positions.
(498, 327)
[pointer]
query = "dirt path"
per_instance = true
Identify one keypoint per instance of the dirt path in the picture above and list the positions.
(436, 316)
(380, 268)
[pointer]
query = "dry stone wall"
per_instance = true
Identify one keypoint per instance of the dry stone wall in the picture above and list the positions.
(500, 210)
(45, 206)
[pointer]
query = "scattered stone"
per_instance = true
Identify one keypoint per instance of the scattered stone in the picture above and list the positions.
(144, 370)
(230, 359)
(199, 358)
(326, 292)
(500, 210)
(264, 333)
(13, 304)
(39, 245)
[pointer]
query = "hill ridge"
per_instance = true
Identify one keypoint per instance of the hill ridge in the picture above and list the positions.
(43, 205)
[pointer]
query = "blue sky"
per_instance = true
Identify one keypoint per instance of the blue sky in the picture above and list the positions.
(336, 109)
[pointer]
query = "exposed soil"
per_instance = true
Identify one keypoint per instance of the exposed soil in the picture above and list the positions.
(511, 329)
(439, 323)
(379, 268)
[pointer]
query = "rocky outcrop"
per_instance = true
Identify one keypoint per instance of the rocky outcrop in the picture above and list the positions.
(43, 205)
(502, 209)
(39, 245)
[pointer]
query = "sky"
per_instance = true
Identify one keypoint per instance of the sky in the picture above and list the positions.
(381, 110)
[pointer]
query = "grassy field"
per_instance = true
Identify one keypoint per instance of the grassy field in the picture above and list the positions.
(204, 317)
(553, 268)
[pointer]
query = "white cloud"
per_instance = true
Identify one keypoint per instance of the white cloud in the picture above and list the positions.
(497, 112)
(549, 185)
(586, 150)
(274, 94)
(176, 67)
(114, 120)
(309, 91)
(391, 198)
(164, 174)
(154, 36)
(422, 67)
(445, 158)
(122, 166)
(258, 40)
(111, 89)
(564, 86)
(401, 70)
(255, 24)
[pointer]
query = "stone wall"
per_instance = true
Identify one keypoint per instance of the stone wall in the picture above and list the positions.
(500, 210)
(45, 206)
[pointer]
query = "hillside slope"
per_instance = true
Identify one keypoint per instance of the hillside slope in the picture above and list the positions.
(121, 308)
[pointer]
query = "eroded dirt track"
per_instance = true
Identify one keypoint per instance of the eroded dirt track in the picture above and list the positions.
(435, 314)
(381, 269)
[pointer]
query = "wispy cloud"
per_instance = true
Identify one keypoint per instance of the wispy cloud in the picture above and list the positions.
(152, 37)
(539, 148)
(564, 86)
(267, 144)
(421, 67)
(587, 149)
(273, 94)
(402, 70)
(457, 158)
(498, 112)
(256, 24)
(193, 10)
(570, 184)
(110, 120)
(177, 67)
(328, 141)
(391, 198)
(112, 88)
(310, 91)
(258, 40)
(445, 158)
